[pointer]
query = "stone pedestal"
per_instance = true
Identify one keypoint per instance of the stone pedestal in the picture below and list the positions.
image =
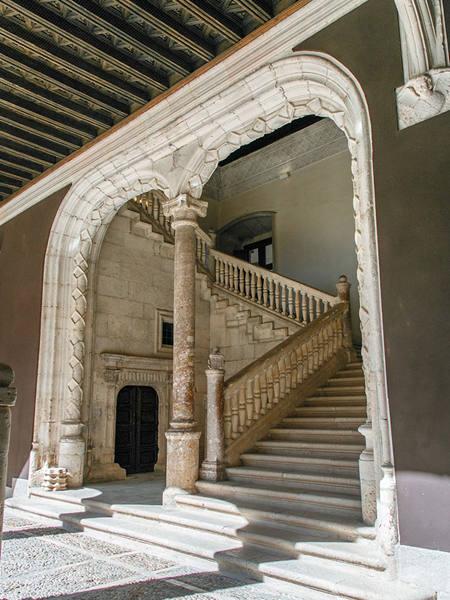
(343, 294)
(7, 400)
(367, 477)
(182, 439)
(213, 468)
(72, 452)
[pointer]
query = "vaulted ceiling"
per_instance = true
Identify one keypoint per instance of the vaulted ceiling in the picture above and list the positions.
(70, 69)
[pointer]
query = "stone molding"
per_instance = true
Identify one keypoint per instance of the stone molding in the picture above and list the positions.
(296, 151)
(121, 369)
(426, 92)
(271, 96)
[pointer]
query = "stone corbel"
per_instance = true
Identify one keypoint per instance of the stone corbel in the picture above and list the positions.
(423, 97)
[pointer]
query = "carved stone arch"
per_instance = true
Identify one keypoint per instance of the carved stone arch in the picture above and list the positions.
(304, 84)
(75, 237)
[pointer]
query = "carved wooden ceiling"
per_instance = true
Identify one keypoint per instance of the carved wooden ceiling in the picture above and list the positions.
(70, 69)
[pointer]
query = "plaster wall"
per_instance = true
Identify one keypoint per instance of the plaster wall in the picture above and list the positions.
(134, 278)
(313, 224)
(23, 242)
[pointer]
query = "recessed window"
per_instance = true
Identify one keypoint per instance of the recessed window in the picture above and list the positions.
(164, 331)
(167, 333)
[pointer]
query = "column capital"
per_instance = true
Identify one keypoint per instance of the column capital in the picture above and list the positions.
(184, 210)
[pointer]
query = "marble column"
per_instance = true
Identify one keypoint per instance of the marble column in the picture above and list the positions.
(213, 467)
(7, 400)
(182, 436)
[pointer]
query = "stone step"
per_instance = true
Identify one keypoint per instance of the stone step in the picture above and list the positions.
(305, 449)
(301, 464)
(321, 422)
(354, 390)
(342, 436)
(331, 411)
(325, 582)
(345, 528)
(264, 476)
(343, 373)
(346, 381)
(338, 400)
(280, 496)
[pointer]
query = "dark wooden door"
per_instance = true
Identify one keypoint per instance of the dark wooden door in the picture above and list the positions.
(137, 429)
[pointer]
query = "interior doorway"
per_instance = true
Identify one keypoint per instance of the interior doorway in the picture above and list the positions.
(136, 446)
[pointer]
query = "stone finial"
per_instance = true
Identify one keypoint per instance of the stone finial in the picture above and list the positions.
(184, 209)
(343, 289)
(6, 375)
(216, 360)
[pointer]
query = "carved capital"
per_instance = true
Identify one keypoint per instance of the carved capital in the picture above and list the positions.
(111, 375)
(216, 361)
(423, 97)
(184, 210)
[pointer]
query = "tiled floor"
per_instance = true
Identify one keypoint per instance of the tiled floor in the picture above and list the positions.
(41, 560)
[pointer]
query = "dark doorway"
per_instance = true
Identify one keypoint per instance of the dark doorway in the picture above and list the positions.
(137, 429)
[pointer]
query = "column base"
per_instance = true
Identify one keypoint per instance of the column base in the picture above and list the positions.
(72, 457)
(368, 487)
(182, 463)
(212, 471)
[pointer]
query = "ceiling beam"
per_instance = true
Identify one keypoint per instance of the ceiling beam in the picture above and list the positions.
(15, 148)
(256, 9)
(85, 121)
(10, 181)
(33, 126)
(56, 55)
(50, 20)
(165, 25)
(7, 169)
(16, 161)
(73, 86)
(126, 32)
(33, 141)
(214, 18)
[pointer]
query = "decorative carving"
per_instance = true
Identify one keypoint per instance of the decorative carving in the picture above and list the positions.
(55, 479)
(423, 97)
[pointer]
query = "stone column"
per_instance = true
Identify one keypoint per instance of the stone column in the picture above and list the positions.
(213, 468)
(182, 437)
(7, 400)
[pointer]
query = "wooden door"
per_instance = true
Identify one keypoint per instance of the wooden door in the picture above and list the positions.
(137, 429)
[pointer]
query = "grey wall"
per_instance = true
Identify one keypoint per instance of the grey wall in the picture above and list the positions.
(412, 182)
(22, 252)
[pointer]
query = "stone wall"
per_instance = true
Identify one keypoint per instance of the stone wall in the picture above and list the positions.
(134, 280)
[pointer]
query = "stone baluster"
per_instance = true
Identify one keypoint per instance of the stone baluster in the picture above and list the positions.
(213, 468)
(182, 437)
(7, 400)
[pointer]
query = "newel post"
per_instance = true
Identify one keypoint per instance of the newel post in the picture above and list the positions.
(213, 468)
(343, 293)
(8, 396)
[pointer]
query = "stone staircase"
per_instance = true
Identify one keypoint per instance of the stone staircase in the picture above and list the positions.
(290, 514)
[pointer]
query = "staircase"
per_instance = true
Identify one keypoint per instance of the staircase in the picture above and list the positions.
(289, 508)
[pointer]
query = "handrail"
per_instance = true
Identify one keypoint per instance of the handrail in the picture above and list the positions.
(257, 388)
(275, 292)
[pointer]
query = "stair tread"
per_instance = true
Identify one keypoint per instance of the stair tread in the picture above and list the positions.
(280, 474)
(309, 445)
(283, 491)
(300, 459)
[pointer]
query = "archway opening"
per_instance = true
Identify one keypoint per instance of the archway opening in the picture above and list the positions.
(136, 443)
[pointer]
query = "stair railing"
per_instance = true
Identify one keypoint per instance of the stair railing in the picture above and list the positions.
(281, 295)
(255, 397)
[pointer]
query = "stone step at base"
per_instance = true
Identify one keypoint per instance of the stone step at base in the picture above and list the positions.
(335, 401)
(307, 449)
(301, 464)
(321, 502)
(348, 390)
(329, 436)
(346, 381)
(266, 477)
(331, 411)
(314, 581)
(346, 528)
(349, 372)
(322, 422)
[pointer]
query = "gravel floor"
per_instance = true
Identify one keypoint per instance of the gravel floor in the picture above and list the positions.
(41, 560)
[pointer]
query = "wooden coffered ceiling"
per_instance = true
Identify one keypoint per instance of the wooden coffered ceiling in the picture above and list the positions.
(70, 69)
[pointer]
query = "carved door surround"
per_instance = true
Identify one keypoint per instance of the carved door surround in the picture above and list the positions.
(120, 371)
